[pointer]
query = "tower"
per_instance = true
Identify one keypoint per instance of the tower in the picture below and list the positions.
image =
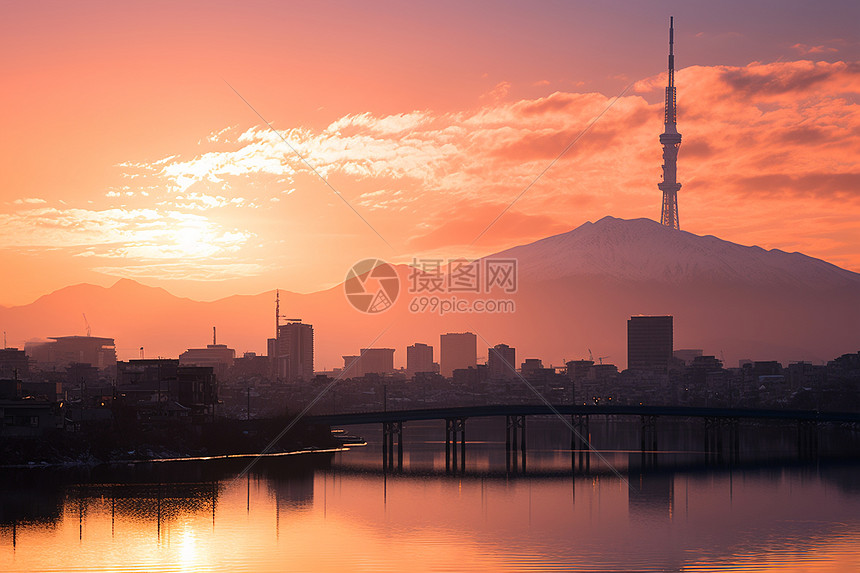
(670, 139)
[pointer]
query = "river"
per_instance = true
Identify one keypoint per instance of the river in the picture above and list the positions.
(676, 509)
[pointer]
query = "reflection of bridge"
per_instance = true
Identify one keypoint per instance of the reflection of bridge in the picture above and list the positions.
(719, 423)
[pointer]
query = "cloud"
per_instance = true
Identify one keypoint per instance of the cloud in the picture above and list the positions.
(777, 79)
(28, 201)
(217, 271)
(839, 186)
(751, 133)
(498, 93)
(805, 49)
(142, 234)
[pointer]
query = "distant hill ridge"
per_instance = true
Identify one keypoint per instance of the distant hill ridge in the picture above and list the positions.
(576, 291)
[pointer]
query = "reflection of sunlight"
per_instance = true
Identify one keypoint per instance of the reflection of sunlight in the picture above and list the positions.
(188, 551)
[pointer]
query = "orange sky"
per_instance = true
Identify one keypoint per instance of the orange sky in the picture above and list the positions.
(126, 154)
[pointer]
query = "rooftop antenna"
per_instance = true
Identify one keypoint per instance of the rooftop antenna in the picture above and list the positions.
(214, 337)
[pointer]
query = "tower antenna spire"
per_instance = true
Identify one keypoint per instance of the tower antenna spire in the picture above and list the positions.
(670, 139)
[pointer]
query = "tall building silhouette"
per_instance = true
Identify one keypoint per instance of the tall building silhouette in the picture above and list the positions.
(457, 350)
(649, 343)
(419, 358)
(670, 139)
(292, 352)
(502, 362)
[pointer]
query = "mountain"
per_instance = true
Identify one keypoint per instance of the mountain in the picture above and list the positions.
(643, 250)
(575, 292)
(727, 299)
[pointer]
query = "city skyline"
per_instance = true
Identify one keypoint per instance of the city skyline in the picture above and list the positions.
(495, 345)
(175, 182)
(639, 267)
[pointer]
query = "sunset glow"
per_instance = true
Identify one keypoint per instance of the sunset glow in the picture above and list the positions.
(125, 153)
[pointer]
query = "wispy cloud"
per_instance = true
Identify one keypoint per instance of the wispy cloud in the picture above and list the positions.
(210, 271)
(752, 134)
(130, 234)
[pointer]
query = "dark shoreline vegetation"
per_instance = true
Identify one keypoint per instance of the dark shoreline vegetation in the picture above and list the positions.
(96, 444)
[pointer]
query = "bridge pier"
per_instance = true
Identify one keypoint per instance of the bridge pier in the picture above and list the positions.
(715, 430)
(713, 444)
(648, 445)
(734, 439)
(579, 442)
(453, 426)
(515, 424)
(389, 430)
(649, 433)
(807, 439)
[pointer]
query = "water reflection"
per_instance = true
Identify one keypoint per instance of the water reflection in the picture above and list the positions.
(349, 511)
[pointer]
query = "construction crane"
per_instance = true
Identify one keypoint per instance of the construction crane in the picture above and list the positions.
(599, 358)
(87, 322)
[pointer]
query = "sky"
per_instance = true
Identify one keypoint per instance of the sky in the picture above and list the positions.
(134, 143)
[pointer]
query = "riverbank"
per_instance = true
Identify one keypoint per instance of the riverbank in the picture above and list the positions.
(99, 444)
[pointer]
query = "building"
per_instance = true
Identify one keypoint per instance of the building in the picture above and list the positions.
(197, 389)
(146, 370)
(649, 343)
(164, 389)
(370, 361)
(14, 364)
(470, 377)
(292, 352)
(502, 362)
(377, 360)
(530, 367)
(250, 366)
(29, 418)
(419, 358)
(216, 356)
(457, 350)
(578, 369)
(687, 355)
(61, 351)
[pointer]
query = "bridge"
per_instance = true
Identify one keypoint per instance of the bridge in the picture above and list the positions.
(719, 423)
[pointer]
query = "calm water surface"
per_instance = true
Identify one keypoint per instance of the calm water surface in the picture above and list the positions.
(669, 511)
